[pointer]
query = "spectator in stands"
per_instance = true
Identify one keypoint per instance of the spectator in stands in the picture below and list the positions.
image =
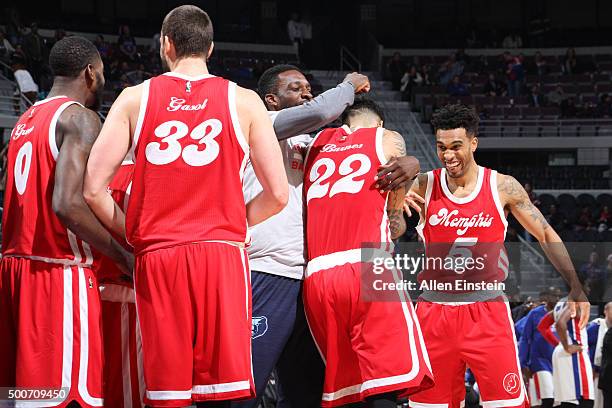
(411, 78)
(585, 217)
(57, 35)
(515, 74)
(556, 218)
(462, 57)
(540, 64)
(26, 83)
(135, 77)
(556, 96)
(605, 217)
(593, 274)
(103, 47)
(570, 62)
(521, 310)
(512, 41)
(457, 88)
(34, 48)
(6, 48)
(568, 108)
(294, 31)
(127, 44)
(604, 109)
(14, 26)
(449, 69)
(425, 74)
(493, 87)
(536, 99)
(395, 70)
(306, 49)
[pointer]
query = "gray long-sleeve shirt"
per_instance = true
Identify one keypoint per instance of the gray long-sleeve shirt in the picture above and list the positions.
(278, 243)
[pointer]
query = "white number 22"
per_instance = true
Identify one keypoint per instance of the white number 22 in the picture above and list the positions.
(205, 133)
(346, 184)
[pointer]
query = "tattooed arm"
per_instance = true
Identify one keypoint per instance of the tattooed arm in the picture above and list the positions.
(515, 199)
(394, 146)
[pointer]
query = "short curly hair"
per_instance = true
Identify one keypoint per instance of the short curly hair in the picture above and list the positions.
(71, 55)
(454, 117)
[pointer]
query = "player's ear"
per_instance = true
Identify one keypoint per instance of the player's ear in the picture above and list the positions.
(271, 101)
(474, 144)
(210, 50)
(90, 75)
(168, 47)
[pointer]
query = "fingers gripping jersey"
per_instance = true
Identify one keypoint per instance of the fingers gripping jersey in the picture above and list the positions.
(30, 227)
(344, 209)
(190, 156)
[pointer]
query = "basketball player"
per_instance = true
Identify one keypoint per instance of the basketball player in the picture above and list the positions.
(191, 134)
(466, 206)
(572, 369)
(49, 300)
(535, 353)
(373, 350)
(123, 370)
(598, 329)
(280, 335)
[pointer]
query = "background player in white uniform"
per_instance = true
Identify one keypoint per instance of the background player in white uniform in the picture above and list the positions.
(572, 371)
(600, 326)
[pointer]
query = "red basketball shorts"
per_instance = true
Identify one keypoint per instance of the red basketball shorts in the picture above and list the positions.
(194, 309)
(369, 348)
(476, 335)
(50, 331)
(123, 370)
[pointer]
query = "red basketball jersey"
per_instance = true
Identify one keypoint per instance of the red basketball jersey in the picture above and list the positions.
(344, 209)
(30, 227)
(469, 227)
(107, 270)
(190, 156)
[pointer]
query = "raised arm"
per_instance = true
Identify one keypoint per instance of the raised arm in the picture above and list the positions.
(394, 146)
(266, 158)
(515, 199)
(316, 113)
(106, 156)
(77, 129)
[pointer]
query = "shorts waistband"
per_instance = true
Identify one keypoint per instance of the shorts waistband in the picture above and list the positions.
(459, 299)
(55, 261)
(350, 256)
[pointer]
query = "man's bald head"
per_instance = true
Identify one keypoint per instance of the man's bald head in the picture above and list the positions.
(608, 313)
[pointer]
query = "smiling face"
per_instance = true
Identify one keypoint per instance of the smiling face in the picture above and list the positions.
(456, 150)
(293, 89)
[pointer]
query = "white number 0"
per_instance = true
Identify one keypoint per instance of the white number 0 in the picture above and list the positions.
(205, 133)
(22, 170)
(346, 184)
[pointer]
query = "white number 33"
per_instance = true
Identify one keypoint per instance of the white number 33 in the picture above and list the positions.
(205, 133)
